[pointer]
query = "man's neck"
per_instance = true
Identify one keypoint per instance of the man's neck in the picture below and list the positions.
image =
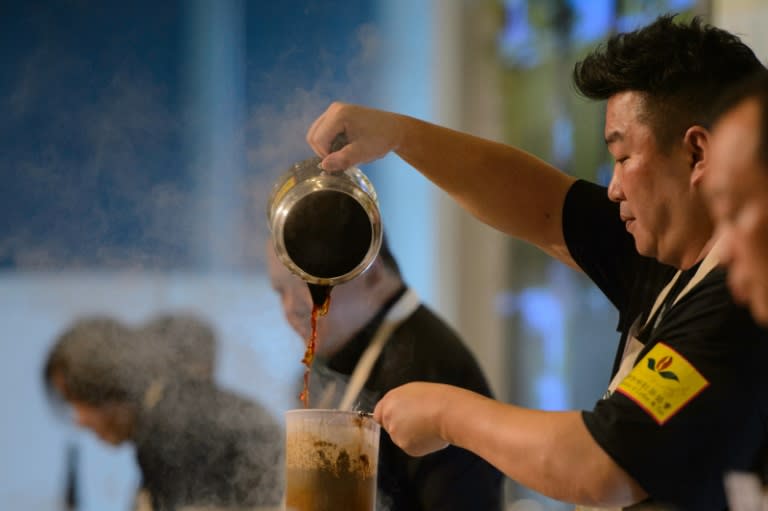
(694, 257)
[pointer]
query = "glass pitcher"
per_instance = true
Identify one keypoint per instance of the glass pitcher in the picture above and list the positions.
(331, 459)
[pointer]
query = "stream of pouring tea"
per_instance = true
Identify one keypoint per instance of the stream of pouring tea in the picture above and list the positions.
(321, 300)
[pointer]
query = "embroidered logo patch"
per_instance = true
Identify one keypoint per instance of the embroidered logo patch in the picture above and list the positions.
(662, 383)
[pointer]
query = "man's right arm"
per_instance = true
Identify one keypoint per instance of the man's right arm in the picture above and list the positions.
(552, 453)
(502, 186)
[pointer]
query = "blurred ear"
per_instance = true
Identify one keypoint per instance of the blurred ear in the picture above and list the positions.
(696, 142)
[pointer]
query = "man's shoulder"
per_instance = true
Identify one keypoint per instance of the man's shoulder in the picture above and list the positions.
(434, 352)
(425, 317)
(708, 324)
(709, 305)
(226, 409)
(429, 335)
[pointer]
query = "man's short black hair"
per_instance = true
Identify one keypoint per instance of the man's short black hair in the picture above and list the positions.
(753, 88)
(679, 68)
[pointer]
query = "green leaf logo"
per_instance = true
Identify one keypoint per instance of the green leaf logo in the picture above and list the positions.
(663, 363)
(669, 375)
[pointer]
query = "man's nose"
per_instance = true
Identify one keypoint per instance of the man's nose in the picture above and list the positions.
(615, 191)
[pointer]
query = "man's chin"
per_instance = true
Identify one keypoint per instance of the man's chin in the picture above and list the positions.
(644, 248)
(301, 331)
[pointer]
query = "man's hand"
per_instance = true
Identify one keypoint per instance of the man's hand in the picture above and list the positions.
(371, 134)
(411, 414)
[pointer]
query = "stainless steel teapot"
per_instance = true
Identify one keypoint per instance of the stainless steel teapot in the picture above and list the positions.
(326, 227)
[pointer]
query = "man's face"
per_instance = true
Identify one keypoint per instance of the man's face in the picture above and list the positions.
(111, 422)
(294, 295)
(348, 311)
(737, 190)
(652, 187)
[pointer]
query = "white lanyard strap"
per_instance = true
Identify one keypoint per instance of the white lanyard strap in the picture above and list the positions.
(633, 347)
(707, 265)
(400, 311)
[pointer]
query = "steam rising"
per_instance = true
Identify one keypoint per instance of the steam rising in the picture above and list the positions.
(89, 187)
(106, 176)
(276, 131)
(101, 173)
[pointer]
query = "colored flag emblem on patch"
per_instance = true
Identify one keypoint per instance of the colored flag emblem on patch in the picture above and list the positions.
(662, 383)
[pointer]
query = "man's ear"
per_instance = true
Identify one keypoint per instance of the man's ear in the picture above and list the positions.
(696, 142)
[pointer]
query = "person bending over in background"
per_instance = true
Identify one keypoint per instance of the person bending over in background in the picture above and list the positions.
(191, 341)
(196, 444)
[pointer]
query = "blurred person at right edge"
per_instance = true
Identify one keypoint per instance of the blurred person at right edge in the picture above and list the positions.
(737, 189)
(688, 397)
(737, 194)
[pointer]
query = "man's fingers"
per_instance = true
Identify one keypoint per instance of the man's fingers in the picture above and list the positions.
(324, 130)
(311, 136)
(378, 413)
(341, 159)
(318, 138)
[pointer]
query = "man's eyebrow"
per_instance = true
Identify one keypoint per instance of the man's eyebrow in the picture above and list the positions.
(614, 136)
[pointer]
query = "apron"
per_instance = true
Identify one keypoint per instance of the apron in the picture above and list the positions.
(633, 346)
(400, 311)
(405, 306)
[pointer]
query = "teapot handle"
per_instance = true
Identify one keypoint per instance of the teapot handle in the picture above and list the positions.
(339, 141)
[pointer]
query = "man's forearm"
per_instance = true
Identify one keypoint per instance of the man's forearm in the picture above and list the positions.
(504, 187)
(549, 452)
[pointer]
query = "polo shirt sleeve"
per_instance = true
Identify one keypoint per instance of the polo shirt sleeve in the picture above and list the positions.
(598, 241)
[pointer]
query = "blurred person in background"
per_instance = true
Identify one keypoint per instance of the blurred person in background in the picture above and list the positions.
(737, 189)
(376, 336)
(190, 339)
(688, 396)
(190, 343)
(196, 445)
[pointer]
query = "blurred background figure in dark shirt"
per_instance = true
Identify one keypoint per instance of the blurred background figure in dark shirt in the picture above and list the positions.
(191, 342)
(197, 445)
